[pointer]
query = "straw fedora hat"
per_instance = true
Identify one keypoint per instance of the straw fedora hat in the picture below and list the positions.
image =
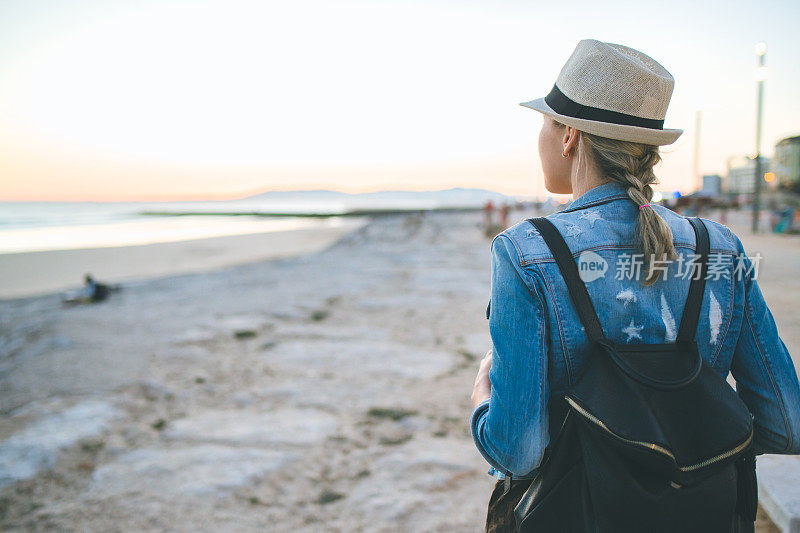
(613, 91)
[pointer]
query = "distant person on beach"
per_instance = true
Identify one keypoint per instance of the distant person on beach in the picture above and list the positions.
(605, 284)
(504, 215)
(488, 215)
(95, 292)
(91, 292)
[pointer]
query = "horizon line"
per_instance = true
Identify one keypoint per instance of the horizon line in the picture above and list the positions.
(242, 196)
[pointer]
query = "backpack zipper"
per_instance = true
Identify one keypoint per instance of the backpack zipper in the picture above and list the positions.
(658, 448)
(723, 455)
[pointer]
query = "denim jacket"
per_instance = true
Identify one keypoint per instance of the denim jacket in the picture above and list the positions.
(539, 345)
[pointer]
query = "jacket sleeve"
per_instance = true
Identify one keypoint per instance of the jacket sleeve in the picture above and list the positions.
(765, 376)
(510, 428)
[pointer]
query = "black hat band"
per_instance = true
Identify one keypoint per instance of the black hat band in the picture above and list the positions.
(564, 105)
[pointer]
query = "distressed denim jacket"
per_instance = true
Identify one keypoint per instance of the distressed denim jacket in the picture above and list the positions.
(539, 346)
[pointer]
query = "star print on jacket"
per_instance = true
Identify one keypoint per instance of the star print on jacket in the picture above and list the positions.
(591, 216)
(573, 230)
(632, 332)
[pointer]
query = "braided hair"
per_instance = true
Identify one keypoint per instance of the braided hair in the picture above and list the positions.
(631, 164)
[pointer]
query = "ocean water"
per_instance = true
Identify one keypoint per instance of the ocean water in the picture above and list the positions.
(15, 215)
(39, 226)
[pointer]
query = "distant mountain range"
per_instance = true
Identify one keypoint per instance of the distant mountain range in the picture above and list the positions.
(458, 195)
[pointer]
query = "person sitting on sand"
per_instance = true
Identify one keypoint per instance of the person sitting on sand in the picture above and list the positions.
(95, 292)
(91, 292)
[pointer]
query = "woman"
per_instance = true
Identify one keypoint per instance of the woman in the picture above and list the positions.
(603, 125)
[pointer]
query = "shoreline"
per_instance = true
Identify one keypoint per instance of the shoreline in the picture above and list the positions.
(31, 274)
(310, 214)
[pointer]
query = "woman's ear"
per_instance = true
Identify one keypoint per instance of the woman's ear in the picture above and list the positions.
(570, 140)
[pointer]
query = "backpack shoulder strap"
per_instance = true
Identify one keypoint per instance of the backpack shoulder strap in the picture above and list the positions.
(694, 300)
(569, 271)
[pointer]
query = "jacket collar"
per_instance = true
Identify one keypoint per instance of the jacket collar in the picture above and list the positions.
(599, 195)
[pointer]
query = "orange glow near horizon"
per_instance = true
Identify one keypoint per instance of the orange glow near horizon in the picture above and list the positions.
(212, 100)
(174, 180)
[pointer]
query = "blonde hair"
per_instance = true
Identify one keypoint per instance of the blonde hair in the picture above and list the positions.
(631, 164)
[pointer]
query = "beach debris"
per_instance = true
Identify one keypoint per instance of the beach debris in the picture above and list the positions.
(669, 321)
(632, 331)
(467, 355)
(319, 314)
(389, 433)
(241, 326)
(390, 413)
(394, 441)
(714, 317)
(626, 296)
(92, 446)
(329, 496)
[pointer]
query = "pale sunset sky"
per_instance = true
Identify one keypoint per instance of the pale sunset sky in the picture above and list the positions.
(155, 100)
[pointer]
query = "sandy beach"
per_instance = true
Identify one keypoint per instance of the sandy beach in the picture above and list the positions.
(327, 391)
(31, 273)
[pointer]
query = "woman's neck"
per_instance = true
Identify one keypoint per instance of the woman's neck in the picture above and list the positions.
(585, 183)
(584, 176)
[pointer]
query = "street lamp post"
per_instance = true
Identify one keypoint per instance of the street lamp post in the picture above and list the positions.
(698, 118)
(761, 52)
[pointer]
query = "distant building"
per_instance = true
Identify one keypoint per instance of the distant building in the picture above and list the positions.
(712, 185)
(787, 161)
(741, 175)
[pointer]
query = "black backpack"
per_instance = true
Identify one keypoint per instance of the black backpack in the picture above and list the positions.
(649, 437)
